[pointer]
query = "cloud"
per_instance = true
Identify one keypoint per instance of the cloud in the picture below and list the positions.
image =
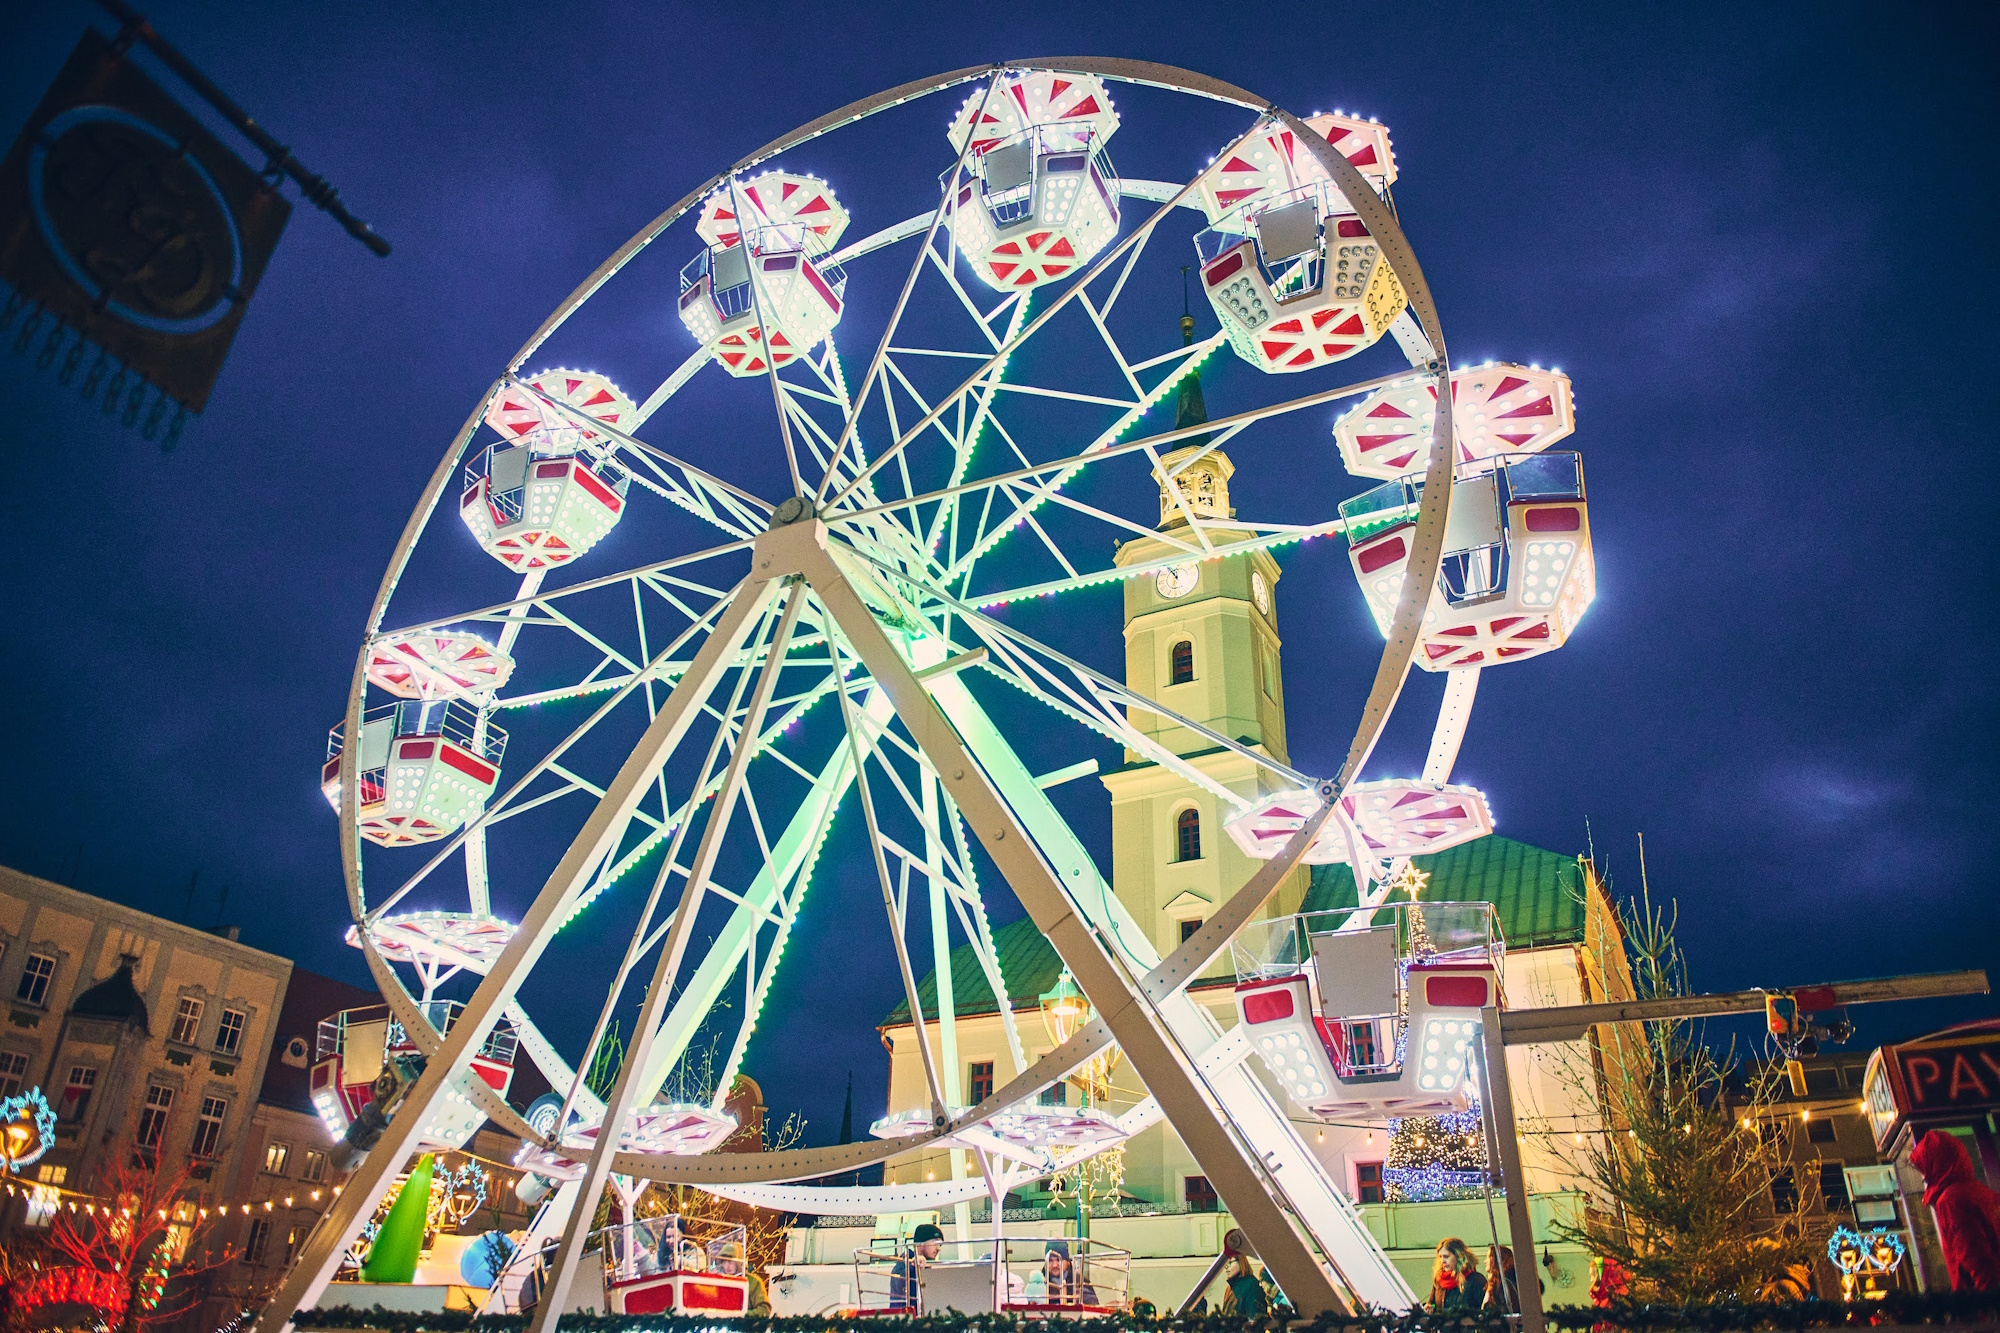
(1820, 792)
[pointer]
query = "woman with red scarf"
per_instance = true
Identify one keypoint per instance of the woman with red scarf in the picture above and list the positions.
(1457, 1287)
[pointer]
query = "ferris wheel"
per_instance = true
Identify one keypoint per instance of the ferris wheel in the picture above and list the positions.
(776, 527)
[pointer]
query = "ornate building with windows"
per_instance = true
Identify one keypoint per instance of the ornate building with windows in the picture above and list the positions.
(148, 1037)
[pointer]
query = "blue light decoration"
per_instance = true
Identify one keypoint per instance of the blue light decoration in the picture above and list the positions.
(27, 1130)
(1856, 1252)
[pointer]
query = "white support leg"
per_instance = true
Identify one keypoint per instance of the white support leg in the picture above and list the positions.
(1499, 1094)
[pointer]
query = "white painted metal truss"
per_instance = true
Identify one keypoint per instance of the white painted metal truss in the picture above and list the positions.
(697, 722)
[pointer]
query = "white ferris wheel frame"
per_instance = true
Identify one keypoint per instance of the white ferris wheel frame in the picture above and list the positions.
(1135, 996)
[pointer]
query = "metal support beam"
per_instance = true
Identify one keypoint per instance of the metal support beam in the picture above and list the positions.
(1498, 1091)
(1528, 1027)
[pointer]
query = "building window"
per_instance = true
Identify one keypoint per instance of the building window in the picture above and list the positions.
(76, 1093)
(208, 1128)
(980, 1085)
(1784, 1192)
(153, 1115)
(1187, 835)
(1189, 927)
(13, 1072)
(1833, 1186)
(315, 1167)
(1180, 663)
(35, 975)
(260, 1239)
(1368, 1182)
(1056, 1094)
(1361, 1050)
(1198, 1194)
(275, 1158)
(181, 1230)
(1820, 1130)
(187, 1021)
(53, 1175)
(292, 1238)
(229, 1032)
(1264, 668)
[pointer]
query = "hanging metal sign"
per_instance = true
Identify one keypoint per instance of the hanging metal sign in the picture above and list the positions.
(126, 221)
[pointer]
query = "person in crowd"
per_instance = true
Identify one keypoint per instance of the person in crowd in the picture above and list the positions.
(925, 1244)
(1457, 1287)
(1247, 1298)
(1503, 1291)
(760, 1296)
(1967, 1212)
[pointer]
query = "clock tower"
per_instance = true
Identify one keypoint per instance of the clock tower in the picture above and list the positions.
(1201, 638)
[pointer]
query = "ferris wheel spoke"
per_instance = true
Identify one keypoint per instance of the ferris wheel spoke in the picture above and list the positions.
(691, 893)
(1047, 478)
(902, 301)
(779, 887)
(891, 903)
(1145, 229)
(519, 607)
(494, 809)
(1097, 266)
(688, 472)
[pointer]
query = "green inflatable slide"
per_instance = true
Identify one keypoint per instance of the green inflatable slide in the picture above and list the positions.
(393, 1256)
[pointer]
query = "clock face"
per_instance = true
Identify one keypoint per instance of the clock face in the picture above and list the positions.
(1176, 580)
(1260, 591)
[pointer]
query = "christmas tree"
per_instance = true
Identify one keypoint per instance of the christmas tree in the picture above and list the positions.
(1435, 1157)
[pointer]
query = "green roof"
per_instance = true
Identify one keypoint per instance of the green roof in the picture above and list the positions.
(1028, 964)
(1538, 894)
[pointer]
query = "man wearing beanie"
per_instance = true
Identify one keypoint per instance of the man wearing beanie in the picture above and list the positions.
(925, 1243)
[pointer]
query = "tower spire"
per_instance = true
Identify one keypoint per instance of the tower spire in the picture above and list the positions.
(1189, 410)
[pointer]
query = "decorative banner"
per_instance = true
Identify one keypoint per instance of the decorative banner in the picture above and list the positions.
(125, 220)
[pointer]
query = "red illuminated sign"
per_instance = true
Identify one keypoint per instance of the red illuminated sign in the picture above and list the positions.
(1954, 1074)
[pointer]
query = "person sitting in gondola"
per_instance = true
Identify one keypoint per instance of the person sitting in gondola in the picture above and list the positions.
(925, 1244)
(1056, 1283)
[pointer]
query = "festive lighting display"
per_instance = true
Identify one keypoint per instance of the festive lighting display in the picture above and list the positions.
(1436, 1157)
(27, 1129)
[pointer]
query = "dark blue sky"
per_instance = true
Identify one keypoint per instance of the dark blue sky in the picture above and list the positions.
(1759, 240)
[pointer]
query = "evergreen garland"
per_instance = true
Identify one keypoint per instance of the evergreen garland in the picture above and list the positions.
(1899, 1309)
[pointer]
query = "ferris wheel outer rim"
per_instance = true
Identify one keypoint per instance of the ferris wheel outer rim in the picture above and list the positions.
(1374, 212)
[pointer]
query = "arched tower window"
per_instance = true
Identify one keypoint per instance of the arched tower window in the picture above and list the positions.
(1187, 835)
(1180, 666)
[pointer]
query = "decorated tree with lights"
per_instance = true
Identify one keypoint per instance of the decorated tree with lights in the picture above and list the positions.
(1435, 1157)
(125, 1260)
(1680, 1171)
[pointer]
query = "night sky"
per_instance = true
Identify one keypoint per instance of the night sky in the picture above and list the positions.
(1759, 239)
